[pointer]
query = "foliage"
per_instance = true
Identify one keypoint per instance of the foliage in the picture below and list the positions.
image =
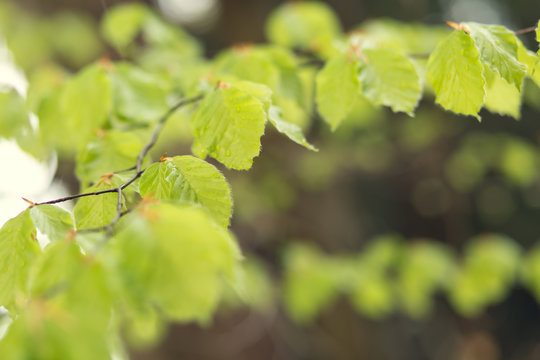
(148, 237)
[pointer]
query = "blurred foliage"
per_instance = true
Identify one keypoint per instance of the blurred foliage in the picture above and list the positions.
(438, 162)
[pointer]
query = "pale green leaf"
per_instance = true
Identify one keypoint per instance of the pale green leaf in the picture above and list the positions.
(498, 50)
(52, 221)
(189, 179)
(14, 117)
(96, 211)
(70, 116)
(122, 23)
(18, 249)
(228, 126)
(138, 96)
(538, 35)
(292, 131)
(248, 64)
(311, 25)
(455, 72)
(501, 97)
(109, 152)
(193, 253)
(390, 78)
(337, 88)
(311, 284)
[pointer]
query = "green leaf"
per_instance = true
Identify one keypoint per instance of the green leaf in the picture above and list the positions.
(138, 96)
(18, 249)
(292, 131)
(70, 116)
(122, 23)
(538, 35)
(52, 221)
(14, 117)
(311, 283)
(308, 25)
(501, 97)
(455, 71)
(95, 211)
(189, 179)
(337, 88)
(193, 252)
(112, 151)
(248, 64)
(498, 50)
(390, 78)
(228, 126)
(71, 318)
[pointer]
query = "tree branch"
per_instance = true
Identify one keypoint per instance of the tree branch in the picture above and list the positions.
(137, 167)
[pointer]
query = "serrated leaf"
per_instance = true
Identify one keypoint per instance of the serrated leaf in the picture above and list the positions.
(455, 71)
(189, 179)
(501, 97)
(113, 151)
(337, 88)
(96, 211)
(52, 221)
(121, 24)
(498, 50)
(292, 131)
(70, 116)
(18, 249)
(193, 254)
(390, 78)
(228, 126)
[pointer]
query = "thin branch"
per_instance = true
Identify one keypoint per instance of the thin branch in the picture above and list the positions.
(525, 31)
(138, 172)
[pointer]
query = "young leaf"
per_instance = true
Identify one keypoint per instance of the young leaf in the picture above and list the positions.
(292, 131)
(121, 24)
(501, 97)
(115, 150)
(18, 249)
(455, 71)
(96, 211)
(498, 50)
(193, 254)
(52, 221)
(189, 179)
(337, 88)
(138, 96)
(390, 78)
(228, 126)
(70, 116)
(308, 25)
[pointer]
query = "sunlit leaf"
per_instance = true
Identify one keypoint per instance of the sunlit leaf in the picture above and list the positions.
(498, 49)
(189, 179)
(193, 254)
(96, 211)
(501, 97)
(455, 72)
(121, 24)
(18, 249)
(292, 131)
(228, 126)
(52, 221)
(337, 88)
(390, 78)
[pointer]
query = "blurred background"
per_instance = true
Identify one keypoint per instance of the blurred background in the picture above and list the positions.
(390, 205)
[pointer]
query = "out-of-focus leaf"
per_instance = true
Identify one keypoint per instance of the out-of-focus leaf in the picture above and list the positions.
(52, 221)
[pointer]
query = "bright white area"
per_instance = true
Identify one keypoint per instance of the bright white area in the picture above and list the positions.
(198, 14)
(21, 175)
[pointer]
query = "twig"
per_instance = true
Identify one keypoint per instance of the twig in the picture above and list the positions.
(525, 31)
(138, 172)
